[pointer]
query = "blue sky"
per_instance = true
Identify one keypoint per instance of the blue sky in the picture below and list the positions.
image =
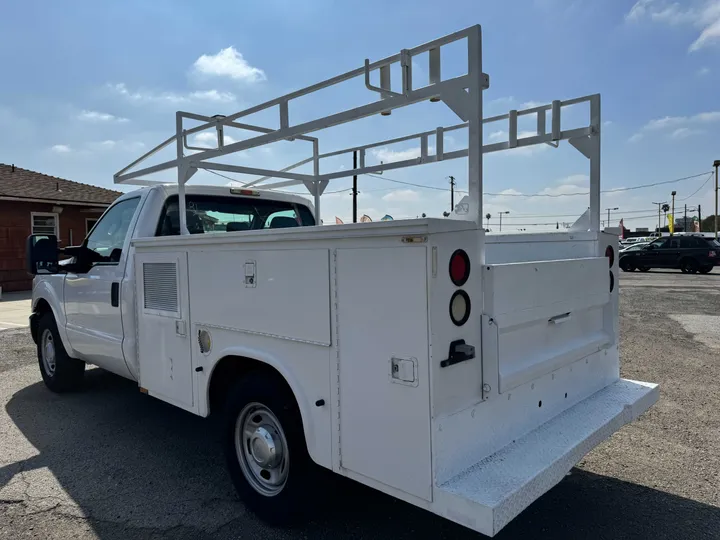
(89, 86)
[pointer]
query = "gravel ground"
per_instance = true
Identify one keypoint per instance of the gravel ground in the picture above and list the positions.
(110, 463)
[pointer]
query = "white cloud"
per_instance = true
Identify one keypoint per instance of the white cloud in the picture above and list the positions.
(61, 149)
(665, 122)
(212, 95)
(109, 144)
(682, 126)
(531, 104)
(228, 63)
(208, 139)
(388, 156)
(95, 116)
(682, 133)
(170, 98)
(575, 180)
(402, 195)
(702, 14)
(606, 123)
(498, 136)
(703, 71)
(503, 136)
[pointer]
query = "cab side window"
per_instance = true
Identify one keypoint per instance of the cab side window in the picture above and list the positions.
(107, 238)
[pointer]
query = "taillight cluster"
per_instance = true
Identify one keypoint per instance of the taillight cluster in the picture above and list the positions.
(610, 254)
(459, 273)
(712, 254)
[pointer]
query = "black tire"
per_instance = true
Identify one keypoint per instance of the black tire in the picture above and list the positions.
(689, 266)
(706, 269)
(627, 266)
(291, 504)
(644, 268)
(59, 371)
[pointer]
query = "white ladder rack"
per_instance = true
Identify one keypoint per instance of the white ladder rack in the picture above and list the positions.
(462, 94)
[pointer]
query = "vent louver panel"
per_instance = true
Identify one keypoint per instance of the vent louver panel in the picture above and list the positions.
(160, 286)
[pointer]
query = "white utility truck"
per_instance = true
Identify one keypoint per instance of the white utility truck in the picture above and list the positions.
(461, 372)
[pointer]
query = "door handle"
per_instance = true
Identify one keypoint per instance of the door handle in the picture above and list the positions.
(115, 294)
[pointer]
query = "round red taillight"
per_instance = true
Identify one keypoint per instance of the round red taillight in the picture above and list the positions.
(459, 267)
(610, 254)
(459, 308)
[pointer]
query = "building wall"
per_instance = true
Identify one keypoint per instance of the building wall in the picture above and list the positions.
(15, 227)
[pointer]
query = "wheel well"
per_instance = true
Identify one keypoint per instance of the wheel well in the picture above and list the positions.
(39, 310)
(231, 369)
(42, 306)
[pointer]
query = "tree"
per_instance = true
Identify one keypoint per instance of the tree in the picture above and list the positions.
(708, 224)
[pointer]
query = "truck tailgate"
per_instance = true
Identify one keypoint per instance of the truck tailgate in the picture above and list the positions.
(546, 314)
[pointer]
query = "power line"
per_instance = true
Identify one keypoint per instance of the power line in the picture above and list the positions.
(553, 195)
(698, 189)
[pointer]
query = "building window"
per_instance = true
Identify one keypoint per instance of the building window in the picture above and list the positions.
(44, 223)
(89, 224)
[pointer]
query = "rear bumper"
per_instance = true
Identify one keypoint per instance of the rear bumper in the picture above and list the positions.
(488, 495)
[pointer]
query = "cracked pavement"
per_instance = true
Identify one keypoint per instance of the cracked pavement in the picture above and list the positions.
(110, 463)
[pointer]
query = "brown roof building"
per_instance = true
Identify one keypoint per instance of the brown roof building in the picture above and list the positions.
(35, 203)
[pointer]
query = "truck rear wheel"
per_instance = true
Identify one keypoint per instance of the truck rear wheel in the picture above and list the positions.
(59, 371)
(265, 449)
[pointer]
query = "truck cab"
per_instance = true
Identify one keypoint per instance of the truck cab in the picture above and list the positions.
(92, 300)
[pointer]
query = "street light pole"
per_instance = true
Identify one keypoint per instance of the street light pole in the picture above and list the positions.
(672, 229)
(608, 211)
(501, 215)
(716, 164)
(659, 205)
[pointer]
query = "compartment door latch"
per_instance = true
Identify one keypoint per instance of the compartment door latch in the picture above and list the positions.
(459, 352)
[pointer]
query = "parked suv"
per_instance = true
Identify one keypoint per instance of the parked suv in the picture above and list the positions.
(690, 254)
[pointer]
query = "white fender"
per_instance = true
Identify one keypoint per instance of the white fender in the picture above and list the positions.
(318, 445)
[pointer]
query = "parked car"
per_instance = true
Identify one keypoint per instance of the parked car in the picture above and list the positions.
(634, 247)
(690, 254)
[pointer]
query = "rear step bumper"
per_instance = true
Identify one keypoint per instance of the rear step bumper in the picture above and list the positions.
(486, 496)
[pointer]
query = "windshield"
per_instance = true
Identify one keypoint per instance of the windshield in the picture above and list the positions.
(210, 213)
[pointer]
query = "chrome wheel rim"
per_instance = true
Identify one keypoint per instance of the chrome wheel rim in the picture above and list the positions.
(47, 349)
(262, 450)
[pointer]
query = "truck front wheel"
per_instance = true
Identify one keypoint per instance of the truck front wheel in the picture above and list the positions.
(60, 372)
(265, 449)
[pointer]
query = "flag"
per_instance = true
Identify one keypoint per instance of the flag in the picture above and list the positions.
(338, 221)
(386, 217)
(622, 229)
(671, 223)
(365, 219)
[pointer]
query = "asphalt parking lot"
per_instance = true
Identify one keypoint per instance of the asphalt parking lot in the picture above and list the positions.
(111, 463)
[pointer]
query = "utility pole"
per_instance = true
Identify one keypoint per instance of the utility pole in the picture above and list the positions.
(700, 216)
(354, 189)
(685, 220)
(501, 215)
(659, 205)
(672, 229)
(452, 193)
(716, 164)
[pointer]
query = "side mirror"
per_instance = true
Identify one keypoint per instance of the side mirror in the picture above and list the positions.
(41, 254)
